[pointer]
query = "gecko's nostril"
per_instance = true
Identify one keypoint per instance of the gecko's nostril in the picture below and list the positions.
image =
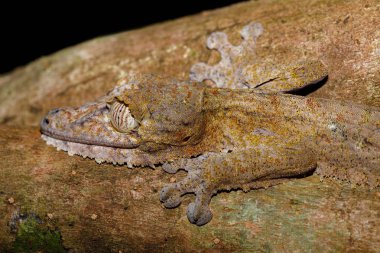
(54, 111)
(46, 121)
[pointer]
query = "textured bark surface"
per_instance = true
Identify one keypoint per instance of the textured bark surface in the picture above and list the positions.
(302, 215)
(343, 34)
(110, 208)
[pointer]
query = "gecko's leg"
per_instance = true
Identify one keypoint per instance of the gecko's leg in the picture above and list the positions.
(262, 184)
(212, 172)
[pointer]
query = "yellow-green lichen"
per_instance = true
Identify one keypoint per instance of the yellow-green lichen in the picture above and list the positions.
(35, 236)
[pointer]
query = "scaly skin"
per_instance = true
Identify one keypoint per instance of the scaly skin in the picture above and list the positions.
(225, 139)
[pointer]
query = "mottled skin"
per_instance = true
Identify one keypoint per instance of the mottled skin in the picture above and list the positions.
(226, 139)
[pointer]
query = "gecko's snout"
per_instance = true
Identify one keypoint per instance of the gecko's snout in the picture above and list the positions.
(88, 124)
(45, 121)
(48, 123)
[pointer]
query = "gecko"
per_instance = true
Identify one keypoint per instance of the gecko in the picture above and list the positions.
(247, 130)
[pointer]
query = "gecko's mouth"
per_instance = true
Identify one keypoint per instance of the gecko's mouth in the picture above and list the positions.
(88, 132)
(88, 124)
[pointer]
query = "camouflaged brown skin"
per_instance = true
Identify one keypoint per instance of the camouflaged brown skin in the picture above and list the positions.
(265, 137)
(228, 139)
(239, 139)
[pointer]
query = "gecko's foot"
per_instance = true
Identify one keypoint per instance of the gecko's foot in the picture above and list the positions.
(239, 68)
(198, 212)
(226, 73)
(171, 194)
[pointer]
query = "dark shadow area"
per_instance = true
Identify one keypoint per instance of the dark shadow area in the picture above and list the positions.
(310, 88)
(30, 30)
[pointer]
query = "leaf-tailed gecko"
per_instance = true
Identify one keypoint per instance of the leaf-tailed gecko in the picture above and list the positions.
(226, 136)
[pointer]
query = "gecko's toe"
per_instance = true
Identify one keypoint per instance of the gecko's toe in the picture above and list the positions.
(170, 168)
(199, 215)
(174, 166)
(199, 212)
(170, 196)
(199, 72)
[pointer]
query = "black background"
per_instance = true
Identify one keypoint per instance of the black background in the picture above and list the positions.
(30, 30)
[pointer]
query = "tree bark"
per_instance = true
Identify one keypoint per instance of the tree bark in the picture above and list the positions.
(107, 208)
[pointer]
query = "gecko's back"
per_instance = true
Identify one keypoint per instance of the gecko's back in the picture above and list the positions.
(255, 140)
(343, 138)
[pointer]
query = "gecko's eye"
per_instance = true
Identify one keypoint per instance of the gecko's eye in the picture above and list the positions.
(187, 138)
(121, 118)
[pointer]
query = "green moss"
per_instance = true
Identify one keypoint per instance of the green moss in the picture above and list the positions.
(32, 236)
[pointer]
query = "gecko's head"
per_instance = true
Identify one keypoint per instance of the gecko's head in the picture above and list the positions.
(145, 118)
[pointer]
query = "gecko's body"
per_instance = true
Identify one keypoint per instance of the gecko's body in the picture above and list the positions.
(225, 139)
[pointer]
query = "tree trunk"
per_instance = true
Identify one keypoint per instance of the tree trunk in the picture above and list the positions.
(71, 203)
